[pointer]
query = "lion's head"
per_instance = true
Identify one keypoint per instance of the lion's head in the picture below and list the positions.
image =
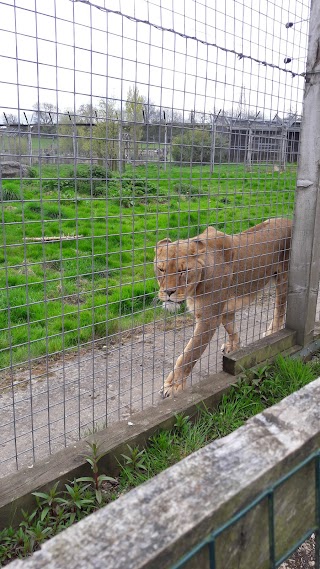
(178, 268)
(186, 268)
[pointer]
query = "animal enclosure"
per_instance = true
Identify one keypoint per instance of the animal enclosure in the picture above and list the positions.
(121, 127)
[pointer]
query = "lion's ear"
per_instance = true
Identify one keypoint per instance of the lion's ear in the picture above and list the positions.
(162, 242)
(225, 245)
(198, 246)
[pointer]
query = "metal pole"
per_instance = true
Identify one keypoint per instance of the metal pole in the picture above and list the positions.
(213, 140)
(165, 141)
(30, 145)
(305, 258)
(75, 142)
(213, 145)
(120, 147)
(165, 145)
(283, 150)
(248, 158)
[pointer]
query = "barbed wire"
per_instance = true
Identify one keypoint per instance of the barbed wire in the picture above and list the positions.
(238, 54)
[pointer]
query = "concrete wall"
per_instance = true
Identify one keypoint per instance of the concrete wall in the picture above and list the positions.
(160, 521)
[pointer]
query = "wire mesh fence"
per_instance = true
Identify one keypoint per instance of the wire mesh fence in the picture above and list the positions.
(120, 128)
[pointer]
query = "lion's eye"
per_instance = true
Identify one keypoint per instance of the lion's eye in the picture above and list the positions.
(160, 270)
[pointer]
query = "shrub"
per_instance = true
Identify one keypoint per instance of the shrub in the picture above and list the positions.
(195, 146)
(127, 191)
(84, 179)
(32, 172)
(58, 184)
(98, 191)
(185, 189)
(87, 178)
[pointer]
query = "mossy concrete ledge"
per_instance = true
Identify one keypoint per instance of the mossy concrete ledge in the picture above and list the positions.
(282, 342)
(155, 524)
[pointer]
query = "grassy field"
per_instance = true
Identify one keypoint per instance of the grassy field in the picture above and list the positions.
(59, 294)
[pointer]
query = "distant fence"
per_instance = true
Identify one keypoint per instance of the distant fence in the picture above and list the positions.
(127, 128)
(222, 139)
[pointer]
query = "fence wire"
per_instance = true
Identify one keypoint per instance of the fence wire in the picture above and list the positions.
(119, 128)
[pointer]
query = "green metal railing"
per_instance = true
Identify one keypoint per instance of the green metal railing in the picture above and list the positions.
(210, 541)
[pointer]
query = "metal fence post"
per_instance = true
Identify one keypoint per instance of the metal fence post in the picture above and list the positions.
(305, 254)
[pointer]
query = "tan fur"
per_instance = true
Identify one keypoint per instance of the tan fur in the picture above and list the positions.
(218, 274)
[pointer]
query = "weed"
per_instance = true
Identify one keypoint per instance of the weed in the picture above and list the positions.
(53, 214)
(55, 511)
(96, 479)
(47, 500)
(135, 460)
(7, 195)
(182, 423)
(34, 208)
(76, 498)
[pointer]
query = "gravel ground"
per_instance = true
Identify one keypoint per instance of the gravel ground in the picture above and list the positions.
(303, 558)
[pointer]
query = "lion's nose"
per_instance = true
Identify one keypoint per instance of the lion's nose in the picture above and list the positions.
(170, 291)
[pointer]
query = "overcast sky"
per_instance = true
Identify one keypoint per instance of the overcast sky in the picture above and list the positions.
(70, 53)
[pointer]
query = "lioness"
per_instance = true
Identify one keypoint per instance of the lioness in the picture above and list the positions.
(218, 274)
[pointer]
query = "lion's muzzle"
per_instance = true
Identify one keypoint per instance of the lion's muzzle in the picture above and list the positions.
(172, 306)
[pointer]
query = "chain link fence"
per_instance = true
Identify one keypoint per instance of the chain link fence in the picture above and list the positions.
(121, 127)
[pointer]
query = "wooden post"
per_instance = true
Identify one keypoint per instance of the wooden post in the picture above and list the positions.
(305, 256)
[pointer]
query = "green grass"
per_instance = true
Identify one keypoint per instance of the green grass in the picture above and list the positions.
(62, 506)
(55, 295)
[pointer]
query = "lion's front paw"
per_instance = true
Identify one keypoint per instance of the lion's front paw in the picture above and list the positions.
(227, 348)
(271, 330)
(171, 390)
(172, 386)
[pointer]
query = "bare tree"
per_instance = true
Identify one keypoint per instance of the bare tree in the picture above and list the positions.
(46, 115)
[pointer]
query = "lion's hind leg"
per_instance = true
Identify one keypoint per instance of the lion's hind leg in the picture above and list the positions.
(233, 343)
(280, 304)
